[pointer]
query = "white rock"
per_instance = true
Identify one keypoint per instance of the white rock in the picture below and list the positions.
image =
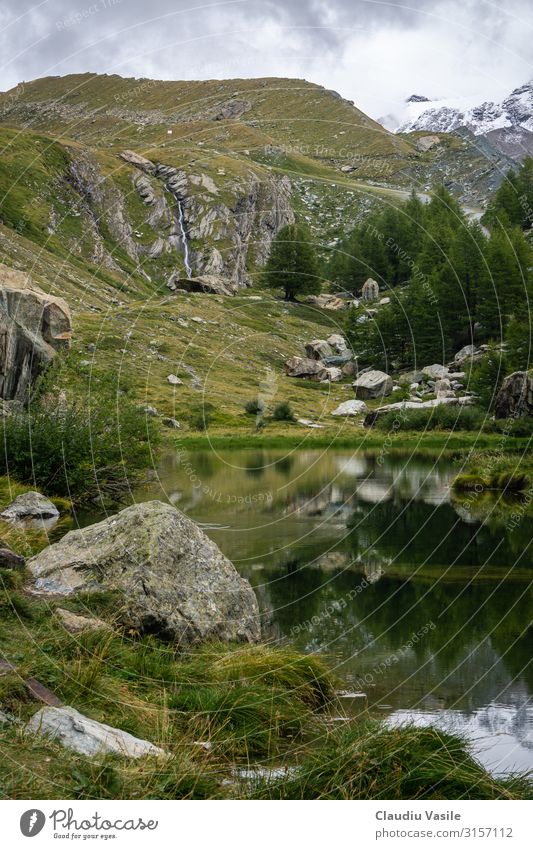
(350, 408)
(30, 505)
(87, 736)
(174, 380)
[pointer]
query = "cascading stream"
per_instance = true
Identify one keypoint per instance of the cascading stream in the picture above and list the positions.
(181, 222)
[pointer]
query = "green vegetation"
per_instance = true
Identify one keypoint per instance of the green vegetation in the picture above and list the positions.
(89, 448)
(283, 412)
(486, 470)
(292, 264)
(214, 710)
(448, 282)
(368, 761)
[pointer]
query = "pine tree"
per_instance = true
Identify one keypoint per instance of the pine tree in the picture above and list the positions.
(292, 264)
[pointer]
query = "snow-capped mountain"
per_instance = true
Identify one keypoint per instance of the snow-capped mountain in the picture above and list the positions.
(508, 124)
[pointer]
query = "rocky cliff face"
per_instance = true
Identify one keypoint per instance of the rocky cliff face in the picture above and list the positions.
(33, 326)
(222, 229)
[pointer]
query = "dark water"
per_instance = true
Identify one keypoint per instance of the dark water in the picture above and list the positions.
(423, 604)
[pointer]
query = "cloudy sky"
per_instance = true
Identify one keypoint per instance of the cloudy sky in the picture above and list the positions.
(375, 52)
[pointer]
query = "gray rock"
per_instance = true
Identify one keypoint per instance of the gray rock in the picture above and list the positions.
(171, 423)
(350, 408)
(349, 369)
(318, 349)
(442, 385)
(30, 505)
(435, 371)
(304, 367)
(209, 284)
(333, 374)
(33, 327)
(338, 343)
(76, 624)
(87, 736)
(372, 384)
(466, 354)
(370, 290)
(174, 580)
(10, 560)
(174, 380)
(515, 398)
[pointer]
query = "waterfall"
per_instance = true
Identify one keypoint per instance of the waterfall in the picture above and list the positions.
(181, 222)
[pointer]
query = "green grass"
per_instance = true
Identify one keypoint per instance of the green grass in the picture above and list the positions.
(368, 761)
(245, 705)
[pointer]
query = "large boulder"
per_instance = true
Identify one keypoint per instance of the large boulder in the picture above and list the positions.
(318, 349)
(435, 372)
(174, 580)
(515, 398)
(30, 505)
(33, 327)
(304, 367)
(372, 384)
(337, 342)
(87, 736)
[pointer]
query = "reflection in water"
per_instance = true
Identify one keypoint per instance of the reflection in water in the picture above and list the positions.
(418, 602)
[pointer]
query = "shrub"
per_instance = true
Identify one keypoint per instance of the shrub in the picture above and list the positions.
(255, 407)
(283, 412)
(437, 418)
(93, 448)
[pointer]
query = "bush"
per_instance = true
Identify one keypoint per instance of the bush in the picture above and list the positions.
(437, 418)
(90, 449)
(283, 412)
(255, 407)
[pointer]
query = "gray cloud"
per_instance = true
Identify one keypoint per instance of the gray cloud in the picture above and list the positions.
(374, 52)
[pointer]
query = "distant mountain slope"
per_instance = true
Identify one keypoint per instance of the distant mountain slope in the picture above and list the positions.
(508, 124)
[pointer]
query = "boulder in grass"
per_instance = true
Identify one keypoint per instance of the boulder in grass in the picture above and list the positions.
(30, 505)
(318, 349)
(515, 398)
(350, 408)
(173, 580)
(87, 736)
(372, 384)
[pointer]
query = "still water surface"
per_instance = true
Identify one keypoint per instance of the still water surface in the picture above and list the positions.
(422, 603)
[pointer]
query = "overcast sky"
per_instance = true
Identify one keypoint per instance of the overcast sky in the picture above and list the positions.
(372, 51)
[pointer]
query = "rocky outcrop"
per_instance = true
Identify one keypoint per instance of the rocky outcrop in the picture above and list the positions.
(33, 327)
(87, 736)
(173, 579)
(515, 398)
(210, 284)
(372, 384)
(235, 235)
(30, 505)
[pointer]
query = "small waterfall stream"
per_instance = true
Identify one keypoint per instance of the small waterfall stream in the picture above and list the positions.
(185, 242)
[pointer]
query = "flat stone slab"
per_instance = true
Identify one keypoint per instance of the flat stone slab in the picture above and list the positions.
(86, 736)
(76, 624)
